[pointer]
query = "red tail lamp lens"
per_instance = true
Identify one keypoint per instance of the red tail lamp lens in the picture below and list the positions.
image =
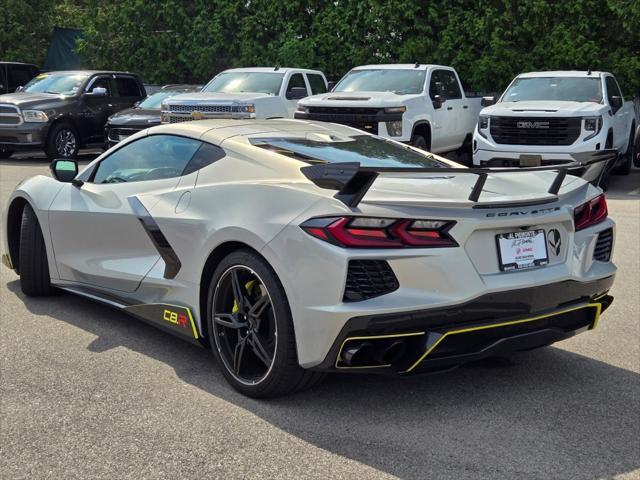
(590, 213)
(366, 232)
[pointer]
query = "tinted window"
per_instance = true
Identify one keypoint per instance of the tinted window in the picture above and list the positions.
(206, 155)
(19, 75)
(317, 83)
(253, 82)
(127, 87)
(612, 88)
(368, 150)
(150, 158)
(101, 82)
(573, 89)
(56, 83)
(296, 80)
(383, 80)
(449, 83)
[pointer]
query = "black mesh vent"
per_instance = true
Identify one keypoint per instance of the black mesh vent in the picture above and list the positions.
(604, 246)
(368, 279)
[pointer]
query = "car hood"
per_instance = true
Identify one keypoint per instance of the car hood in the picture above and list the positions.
(215, 98)
(544, 108)
(356, 99)
(137, 116)
(33, 100)
(453, 189)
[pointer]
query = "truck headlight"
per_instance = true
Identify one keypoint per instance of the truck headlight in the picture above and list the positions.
(164, 117)
(302, 109)
(247, 108)
(35, 116)
(592, 124)
(394, 128)
(395, 109)
(483, 124)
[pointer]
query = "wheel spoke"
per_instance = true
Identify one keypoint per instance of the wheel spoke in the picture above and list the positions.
(228, 320)
(237, 290)
(258, 349)
(238, 354)
(257, 309)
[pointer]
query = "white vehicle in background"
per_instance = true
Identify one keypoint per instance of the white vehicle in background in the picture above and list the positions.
(423, 105)
(246, 93)
(544, 118)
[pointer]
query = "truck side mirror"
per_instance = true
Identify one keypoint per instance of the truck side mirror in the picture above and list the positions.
(330, 86)
(616, 103)
(296, 93)
(97, 92)
(20, 88)
(437, 101)
(64, 170)
(487, 101)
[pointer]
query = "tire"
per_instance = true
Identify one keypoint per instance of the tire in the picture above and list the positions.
(627, 163)
(34, 268)
(231, 344)
(636, 150)
(5, 153)
(419, 141)
(62, 142)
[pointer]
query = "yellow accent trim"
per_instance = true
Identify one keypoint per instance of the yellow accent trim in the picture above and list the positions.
(6, 261)
(601, 296)
(396, 335)
(598, 307)
(193, 325)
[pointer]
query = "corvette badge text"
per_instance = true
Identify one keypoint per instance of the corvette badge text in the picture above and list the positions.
(523, 212)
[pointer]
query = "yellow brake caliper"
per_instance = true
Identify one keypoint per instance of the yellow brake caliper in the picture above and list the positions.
(249, 288)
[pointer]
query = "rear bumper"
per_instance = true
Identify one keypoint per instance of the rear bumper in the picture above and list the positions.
(497, 323)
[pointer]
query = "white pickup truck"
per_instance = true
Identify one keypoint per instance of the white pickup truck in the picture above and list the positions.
(543, 118)
(423, 105)
(246, 93)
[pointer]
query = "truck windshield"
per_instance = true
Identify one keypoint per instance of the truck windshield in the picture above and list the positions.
(402, 82)
(57, 84)
(240, 82)
(155, 100)
(368, 150)
(570, 89)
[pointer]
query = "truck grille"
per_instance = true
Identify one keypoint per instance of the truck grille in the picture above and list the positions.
(117, 134)
(604, 246)
(535, 130)
(348, 116)
(10, 115)
(201, 108)
(368, 279)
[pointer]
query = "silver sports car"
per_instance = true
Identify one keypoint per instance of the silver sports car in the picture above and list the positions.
(295, 248)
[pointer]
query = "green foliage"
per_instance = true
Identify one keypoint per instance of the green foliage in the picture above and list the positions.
(487, 41)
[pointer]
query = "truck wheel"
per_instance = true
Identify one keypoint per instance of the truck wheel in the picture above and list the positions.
(636, 150)
(419, 141)
(62, 142)
(251, 330)
(5, 153)
(627, 157)
(34, 267)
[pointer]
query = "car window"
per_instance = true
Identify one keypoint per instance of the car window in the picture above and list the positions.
(570, 89)
(59, 84)
(402, 82)
(242, 82)
(317, 83)
(19, 76)
(101, 82)
(149, 158)
(612, 88)
(127, 87)
(449, 83)
(296, 80)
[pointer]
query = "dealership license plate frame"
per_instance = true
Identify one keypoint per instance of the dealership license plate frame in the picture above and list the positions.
(506, 252)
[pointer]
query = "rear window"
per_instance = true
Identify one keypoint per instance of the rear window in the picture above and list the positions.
(128, 87)
(367, 150)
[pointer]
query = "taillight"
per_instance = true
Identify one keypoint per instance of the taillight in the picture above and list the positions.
(367, 232)
(589, 213)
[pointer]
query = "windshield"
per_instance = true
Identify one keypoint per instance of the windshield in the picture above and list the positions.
(570, 89)
(401, 82)
(155, 100)
(367, 150)
(240, 82)
(57, 84)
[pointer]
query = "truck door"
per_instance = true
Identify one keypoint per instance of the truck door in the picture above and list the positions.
(620, 120)
(97, 108)
(128, 92)
(296, 80)
(442, 122)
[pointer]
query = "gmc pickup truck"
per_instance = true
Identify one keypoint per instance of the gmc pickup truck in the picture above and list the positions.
(246, 93)
(60, 112)
(424, 105)
(543, 118)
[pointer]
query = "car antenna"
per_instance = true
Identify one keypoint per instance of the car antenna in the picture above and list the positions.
(276, 68)
(416, 65)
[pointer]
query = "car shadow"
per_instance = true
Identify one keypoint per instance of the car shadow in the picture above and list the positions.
(544, 414)
(624, 187)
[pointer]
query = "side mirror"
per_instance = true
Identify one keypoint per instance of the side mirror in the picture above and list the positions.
(438, 100)
(296, 93)
(64, 170)
(98, 92)
(20, 88)
(616, 103)
(487, 101)
(137, 103)
(330, 86)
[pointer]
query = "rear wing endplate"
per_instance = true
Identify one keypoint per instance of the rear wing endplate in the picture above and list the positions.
(353, 181)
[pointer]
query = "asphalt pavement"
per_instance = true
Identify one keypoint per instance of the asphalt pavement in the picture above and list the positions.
(88, 392)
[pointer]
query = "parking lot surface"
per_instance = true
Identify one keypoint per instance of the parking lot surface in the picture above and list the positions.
(88, 392)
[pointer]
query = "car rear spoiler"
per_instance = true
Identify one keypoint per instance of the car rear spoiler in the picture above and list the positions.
(353, 181)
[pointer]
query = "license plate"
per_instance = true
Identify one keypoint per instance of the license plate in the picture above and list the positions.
(530, 160)
(520, 250)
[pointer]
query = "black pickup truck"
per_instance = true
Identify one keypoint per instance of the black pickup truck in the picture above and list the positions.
(61, 112)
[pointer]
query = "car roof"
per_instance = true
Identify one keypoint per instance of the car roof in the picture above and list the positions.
(273, 69)
(401, 66)
(562, 73)
(88, 72)
(18, 63)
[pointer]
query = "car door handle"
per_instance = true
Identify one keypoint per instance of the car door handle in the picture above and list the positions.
(466, 106)
(449, 108)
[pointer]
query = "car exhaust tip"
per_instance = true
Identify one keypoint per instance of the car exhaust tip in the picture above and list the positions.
(392, 352)
(358, 355)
